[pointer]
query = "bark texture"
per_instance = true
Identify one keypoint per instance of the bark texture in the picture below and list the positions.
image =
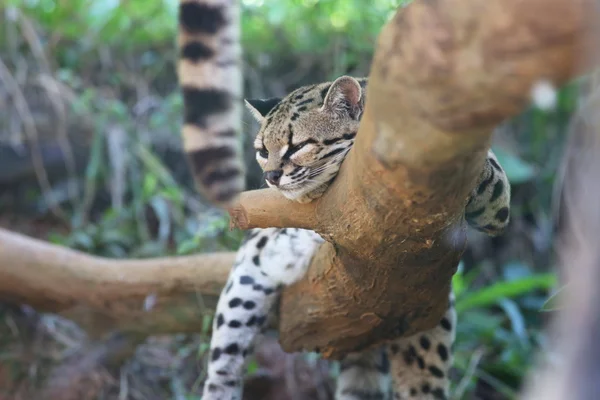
(445, 73)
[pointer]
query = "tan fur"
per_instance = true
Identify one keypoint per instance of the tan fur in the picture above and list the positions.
(210, 76)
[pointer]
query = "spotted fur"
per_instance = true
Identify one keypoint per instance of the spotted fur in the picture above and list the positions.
(210, 77)
(301, 144)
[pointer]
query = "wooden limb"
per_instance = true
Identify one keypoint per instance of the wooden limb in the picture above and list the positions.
(445, 72)
(149, 296)
(269, 208)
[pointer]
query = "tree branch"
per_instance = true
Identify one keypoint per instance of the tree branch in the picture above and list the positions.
(102, 294)
(394, 215)
(269, 208)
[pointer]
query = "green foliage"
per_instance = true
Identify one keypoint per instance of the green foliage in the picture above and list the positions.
(494, 328)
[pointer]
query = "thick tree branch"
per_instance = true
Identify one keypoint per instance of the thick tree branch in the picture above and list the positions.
(445, 72)
(161, 295)
(269, 208)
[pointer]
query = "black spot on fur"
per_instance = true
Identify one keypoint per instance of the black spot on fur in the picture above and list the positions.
(246, 280)
(262, 242)
(256, 260)
(435, 371)
(201, 18)
(235, 302)
(200, 159)
(498, 189)
(408, 357)
(251, 321)
(227, 133)
(269, 291)
(257, 287)
(474, 214)
(438, 393)
(425, 343)
(421, 362)
(228, 288)
(220, 175)
(249, 305)
(232, 349)
(483, 185)
(300, 109)
(212, 387)
(446, 324)
(425, 388)
(413, 391)
(295, 116)
(222, 373)
(261, 320)
(495, 164)
(305, 102)
(196, 51)
(226, 195)
(216, 353)
(234, 324)
(220, 320)
(200, 104)
(490, 228)
(231, 383)
(502, 214)
(443, 352)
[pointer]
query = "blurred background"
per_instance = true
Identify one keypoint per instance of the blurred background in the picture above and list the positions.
(90, 158)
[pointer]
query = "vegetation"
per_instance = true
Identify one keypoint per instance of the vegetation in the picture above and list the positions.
(97, 82)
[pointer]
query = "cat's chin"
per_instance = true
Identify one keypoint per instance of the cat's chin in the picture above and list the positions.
(304, 197)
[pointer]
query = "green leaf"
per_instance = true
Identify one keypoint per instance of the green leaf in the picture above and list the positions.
(555, 300)
(189, 246)
(517, 170)
(492, 294)
(252, 367)
(517, 320)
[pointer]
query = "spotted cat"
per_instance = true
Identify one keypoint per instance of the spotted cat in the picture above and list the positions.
(302, 142)
(209, 74)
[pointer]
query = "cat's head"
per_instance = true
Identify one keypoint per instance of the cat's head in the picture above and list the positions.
(304, 137)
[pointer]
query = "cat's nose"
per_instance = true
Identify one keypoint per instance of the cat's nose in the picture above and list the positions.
(273, 177)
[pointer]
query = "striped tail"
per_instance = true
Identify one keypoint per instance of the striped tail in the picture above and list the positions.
(210, 76)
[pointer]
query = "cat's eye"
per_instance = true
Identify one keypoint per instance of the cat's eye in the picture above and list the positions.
(264, 153)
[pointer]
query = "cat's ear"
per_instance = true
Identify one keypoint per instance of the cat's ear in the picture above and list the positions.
(344, 97)
(260, 108)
